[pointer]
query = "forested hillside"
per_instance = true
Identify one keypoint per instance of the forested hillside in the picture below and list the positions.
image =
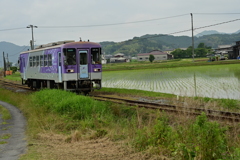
(148, 43)
(143, 44)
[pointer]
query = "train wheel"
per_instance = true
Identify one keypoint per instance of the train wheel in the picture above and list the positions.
(86, 93)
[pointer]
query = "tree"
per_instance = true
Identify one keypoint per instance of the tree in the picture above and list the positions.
(14, 69)
(201, 45)
(151, 58)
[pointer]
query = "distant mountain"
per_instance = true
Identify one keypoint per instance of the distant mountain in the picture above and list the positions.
(210, 32)
(143, 44)
(147, 43)
(236, 32)
(12, 50)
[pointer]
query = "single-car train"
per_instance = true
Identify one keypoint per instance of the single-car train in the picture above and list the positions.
(69, 65)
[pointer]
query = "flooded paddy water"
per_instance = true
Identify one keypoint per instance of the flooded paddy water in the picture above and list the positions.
(214, 81)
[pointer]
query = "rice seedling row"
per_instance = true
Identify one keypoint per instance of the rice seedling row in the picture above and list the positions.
(215, 82)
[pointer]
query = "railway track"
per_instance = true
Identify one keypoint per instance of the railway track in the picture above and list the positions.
(212, 114)
(14, 86)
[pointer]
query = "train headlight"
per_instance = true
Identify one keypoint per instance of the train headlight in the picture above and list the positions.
(96, 69)
(70, 70)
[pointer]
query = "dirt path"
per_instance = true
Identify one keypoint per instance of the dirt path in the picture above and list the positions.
(15, 128)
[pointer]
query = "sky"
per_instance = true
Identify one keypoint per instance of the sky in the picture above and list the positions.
(111, 20)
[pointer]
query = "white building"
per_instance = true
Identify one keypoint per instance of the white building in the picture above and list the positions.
(119, 57)
(159, 55)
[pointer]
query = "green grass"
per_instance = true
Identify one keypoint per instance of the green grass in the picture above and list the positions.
(5, 113)
(5, 136)
(164, 64)
(14, 77)
(146, 130)
(135, 92)
(3, 142)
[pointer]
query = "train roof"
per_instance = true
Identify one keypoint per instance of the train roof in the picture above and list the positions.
(67, 44)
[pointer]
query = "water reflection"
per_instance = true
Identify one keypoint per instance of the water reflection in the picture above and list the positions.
(211, 81)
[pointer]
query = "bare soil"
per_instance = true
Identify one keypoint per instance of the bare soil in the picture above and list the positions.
(52, 146)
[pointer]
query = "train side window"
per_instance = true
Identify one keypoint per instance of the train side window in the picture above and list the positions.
(34, 61)
(96, 55)
(49, 60)
(41, 61)
(30, 62)
(37, 61)
(45, 60)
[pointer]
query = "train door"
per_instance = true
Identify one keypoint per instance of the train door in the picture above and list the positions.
(59, 67)
(23, 65)
(83, 64)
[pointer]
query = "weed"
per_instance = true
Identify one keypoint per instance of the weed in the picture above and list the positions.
(5, 136)
(99, 134)
(230, 103)
(5, 113)
(79, 117)
(3, 142)
(206, 140)
(160, 135)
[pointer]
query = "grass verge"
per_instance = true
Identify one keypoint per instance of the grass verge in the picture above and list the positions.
(134, 92)
(5, 113)
(14, 77)
(51, 113)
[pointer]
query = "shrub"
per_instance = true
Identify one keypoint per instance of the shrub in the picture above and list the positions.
(230, 103)
(14, 69)
(203, 140)
(161, 135)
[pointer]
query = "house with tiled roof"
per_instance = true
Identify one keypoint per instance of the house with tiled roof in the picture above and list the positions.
(159, 55)
(119, 57)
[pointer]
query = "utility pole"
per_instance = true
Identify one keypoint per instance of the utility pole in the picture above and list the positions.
(4, 66)
(7, 63)
(192, 38)
(32, 41)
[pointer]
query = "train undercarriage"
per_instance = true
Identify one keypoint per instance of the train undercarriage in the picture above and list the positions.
(79, 86)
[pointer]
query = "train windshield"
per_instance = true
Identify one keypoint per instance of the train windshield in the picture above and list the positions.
(70, 56)
(96, 55)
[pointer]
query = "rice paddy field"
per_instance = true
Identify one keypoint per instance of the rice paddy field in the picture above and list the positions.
(215, 81)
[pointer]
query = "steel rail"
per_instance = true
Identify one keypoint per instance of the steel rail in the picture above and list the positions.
(212, 114)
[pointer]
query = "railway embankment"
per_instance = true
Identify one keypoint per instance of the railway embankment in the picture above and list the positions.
(77, 126)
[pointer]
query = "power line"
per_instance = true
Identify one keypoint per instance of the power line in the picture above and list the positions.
(186, 30)
(217, 24)
(140, 22)
(19, 51)
(112, 24)
(214, 13)
(12, 29)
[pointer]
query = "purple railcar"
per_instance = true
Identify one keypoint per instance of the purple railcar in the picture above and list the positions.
(74, 66)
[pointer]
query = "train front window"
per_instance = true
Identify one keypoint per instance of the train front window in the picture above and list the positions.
(96, 55)
(70, 56)
(83, 57)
